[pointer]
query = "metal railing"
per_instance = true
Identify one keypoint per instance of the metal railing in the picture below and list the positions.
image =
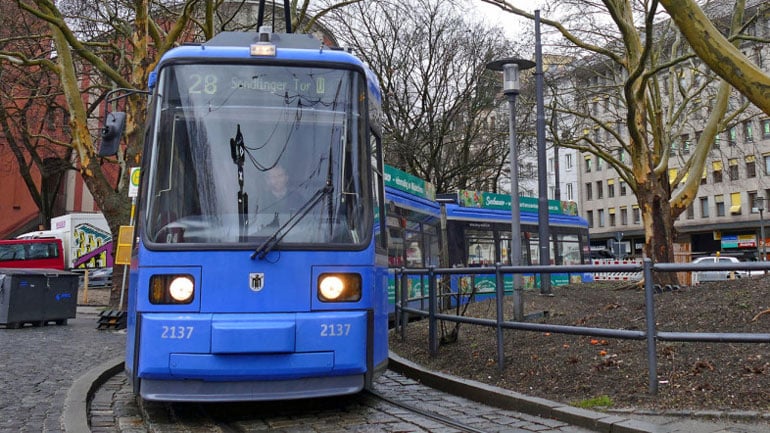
(651, 335)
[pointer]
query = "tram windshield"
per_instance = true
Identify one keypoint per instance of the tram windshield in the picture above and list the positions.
(244, 153)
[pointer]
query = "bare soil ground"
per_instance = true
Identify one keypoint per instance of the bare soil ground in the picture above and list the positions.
(94, 296)
(575, 369)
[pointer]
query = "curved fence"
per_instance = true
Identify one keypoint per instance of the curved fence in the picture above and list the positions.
(645, 268)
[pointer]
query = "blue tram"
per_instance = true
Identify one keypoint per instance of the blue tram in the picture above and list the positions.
(259, 270)
(478, 233)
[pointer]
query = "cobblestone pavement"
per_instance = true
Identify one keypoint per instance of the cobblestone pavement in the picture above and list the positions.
(114, 410)
(342, 414)
(38, 365)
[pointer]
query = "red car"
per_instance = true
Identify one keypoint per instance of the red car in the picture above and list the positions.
(45, 253)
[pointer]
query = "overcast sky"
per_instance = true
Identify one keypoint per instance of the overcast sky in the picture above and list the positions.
(513, 25)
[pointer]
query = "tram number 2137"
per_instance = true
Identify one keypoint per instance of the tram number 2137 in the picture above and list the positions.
(176, 332)
(335, 329)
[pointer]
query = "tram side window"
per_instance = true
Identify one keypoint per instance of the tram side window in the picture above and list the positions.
(503, 243)
(411, 243)
(433, 250)
(413, 254)
(569, 245)
(534, 249)
(395, 243)
(175, 194)
(481, 248)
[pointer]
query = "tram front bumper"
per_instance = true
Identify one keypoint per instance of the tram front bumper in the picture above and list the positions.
(233, 347)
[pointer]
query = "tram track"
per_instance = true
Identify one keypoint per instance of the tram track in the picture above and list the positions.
(221, 418)
(425, 413)
(395, 404)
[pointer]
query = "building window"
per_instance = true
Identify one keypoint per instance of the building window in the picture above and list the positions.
(599, 190)
(733, 168)
(588, 164)
(570, 192)
(690, 212)
(589, 192)
(751, 167)
(766, 158)
(612, 217)
(599, 163)
(704, 207)
(716, 167)
(735, 203)
(719, 200)
(672, 172)
(610, 188)
(766, 128)
(748, 131)
(622, 187)
(624, 215)
(637, 214)
(685, 144)
(590, 218)
(550, 165)
(601, 217)
(732, 135)
(568, 161)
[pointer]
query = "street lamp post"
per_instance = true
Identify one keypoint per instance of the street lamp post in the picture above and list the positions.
(511, 86)
(759, 202)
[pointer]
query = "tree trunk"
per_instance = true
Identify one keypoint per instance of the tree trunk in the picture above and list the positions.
(660, 234)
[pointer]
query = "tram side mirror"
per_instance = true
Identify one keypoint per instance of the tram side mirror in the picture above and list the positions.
(112, 132)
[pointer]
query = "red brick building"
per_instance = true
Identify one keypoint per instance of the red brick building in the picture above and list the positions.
(36, 180)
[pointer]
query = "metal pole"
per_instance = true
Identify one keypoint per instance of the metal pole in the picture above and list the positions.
(762, 235)
(126, 268)
(403, 296)
(651, 332)
(432, 307)
(500, 291)
(518, 307)
(544, 235)
(511, 67)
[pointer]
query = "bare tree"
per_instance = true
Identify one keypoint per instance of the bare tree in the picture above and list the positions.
(439, 98)
(635, 85)
(718, 52)
(31, 113)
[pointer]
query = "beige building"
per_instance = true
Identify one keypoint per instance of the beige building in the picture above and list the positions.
(729, 210)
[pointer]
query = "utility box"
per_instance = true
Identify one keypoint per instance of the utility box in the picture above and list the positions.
(37, 296)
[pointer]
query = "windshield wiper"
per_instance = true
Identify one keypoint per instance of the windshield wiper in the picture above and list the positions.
(276, 237)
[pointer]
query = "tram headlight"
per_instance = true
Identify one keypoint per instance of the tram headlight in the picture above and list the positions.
(340, 287)
(172, 289)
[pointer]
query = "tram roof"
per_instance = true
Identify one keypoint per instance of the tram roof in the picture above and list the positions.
(462, 213)
(236, 46)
